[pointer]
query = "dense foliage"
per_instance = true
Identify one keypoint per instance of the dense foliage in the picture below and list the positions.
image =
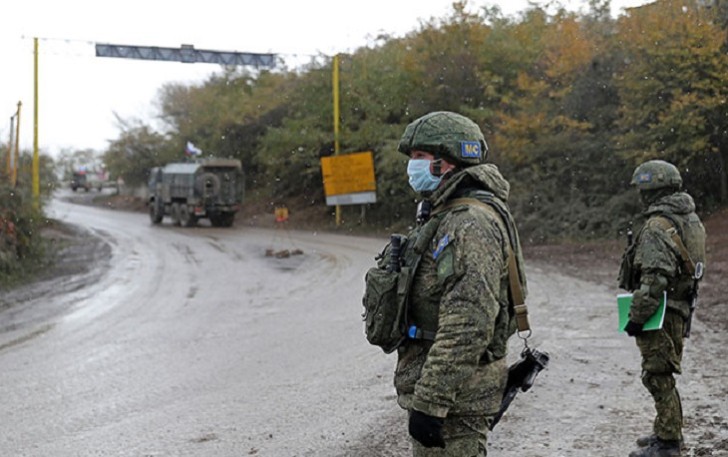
(569, 102)
(21, 246)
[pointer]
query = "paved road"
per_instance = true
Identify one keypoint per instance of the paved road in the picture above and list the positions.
(190, 342)
(195, 343)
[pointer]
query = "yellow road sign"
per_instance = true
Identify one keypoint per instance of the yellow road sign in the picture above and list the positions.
(348, 173)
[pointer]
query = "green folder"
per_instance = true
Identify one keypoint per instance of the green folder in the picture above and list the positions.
(653, 323)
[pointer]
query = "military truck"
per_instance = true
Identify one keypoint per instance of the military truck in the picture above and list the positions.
(79, 180)
(205, 189)
(87, 180)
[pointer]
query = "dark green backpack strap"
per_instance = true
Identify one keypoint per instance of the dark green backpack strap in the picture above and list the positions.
(672, 229)
(514, 280)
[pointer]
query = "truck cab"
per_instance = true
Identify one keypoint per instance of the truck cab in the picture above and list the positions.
(79, 180)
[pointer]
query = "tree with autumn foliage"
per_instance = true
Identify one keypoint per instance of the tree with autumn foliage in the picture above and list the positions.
(569, 102)
(673, 91)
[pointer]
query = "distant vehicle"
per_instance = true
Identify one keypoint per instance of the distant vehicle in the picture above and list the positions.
(187, 192)
(88, 180)
(99, 180)
(79, 180)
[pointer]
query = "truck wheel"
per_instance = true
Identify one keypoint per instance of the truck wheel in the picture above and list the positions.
(221, 220)
(186, 218)
(154, 214)
(227, 219)
(175, 213)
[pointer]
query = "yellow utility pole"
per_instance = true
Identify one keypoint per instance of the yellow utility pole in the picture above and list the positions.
(14, 180)
(335, 84)
(36, 166)
(8, 161)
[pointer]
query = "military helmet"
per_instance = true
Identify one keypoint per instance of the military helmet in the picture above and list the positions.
(656, 174)
(448, 135)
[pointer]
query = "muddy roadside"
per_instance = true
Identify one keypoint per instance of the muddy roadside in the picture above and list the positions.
(77, 258)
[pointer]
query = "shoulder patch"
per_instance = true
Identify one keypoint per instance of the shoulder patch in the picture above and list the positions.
(470, 149)
(444, 241)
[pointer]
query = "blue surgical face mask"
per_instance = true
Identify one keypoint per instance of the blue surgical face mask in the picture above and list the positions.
(420, 178)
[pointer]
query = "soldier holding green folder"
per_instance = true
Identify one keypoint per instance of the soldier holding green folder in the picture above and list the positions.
(667, 255)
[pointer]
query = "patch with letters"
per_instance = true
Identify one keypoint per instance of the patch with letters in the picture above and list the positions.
(643, 178)
(470, 149)
(444, 241)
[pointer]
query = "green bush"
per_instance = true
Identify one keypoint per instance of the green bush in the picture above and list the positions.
(21, 247)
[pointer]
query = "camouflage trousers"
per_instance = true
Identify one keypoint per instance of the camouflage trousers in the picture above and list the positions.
(465, 436)
(661, 355)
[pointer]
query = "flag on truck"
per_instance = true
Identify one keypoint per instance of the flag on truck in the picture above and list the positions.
(192, 150)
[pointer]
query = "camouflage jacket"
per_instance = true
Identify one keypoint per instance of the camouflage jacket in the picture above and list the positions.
(460, 290)
(657, 265)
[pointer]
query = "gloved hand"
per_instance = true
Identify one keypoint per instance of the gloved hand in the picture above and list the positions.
(426, 429)
(633, 328)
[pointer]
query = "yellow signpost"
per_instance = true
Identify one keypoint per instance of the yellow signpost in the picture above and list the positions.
(349, 179)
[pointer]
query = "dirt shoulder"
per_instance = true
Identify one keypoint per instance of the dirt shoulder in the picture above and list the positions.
(75, 260)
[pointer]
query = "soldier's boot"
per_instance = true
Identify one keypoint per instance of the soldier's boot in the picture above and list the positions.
(659, 448)
(647, 440)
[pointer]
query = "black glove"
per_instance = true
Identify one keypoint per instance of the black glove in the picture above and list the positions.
(426, 429)
(633, 328)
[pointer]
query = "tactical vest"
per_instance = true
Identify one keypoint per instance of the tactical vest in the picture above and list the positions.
(688, 235)
(513, 313)
(386, 297)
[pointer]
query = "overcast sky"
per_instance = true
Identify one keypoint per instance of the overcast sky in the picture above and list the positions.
(78, 92)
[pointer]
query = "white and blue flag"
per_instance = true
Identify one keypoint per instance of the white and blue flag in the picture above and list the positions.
(192, 150)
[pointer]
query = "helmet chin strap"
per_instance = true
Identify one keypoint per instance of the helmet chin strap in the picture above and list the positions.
(437, 168)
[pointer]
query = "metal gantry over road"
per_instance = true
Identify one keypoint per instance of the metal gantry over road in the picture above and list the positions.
(186, 53)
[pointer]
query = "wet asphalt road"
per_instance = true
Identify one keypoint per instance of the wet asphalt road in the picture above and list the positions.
(195, 343)
(190, 342)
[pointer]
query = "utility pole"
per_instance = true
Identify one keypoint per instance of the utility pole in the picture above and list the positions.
(16, 162)
(36, 166)
(11, 159)
(8, 158)
(335, 88)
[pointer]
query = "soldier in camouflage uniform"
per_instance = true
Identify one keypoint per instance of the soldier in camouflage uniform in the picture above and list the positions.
(656, 262)
(451, 371)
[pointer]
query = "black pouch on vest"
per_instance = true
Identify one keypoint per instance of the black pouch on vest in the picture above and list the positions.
(628, 278)
(385, 298)
(384, 311)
